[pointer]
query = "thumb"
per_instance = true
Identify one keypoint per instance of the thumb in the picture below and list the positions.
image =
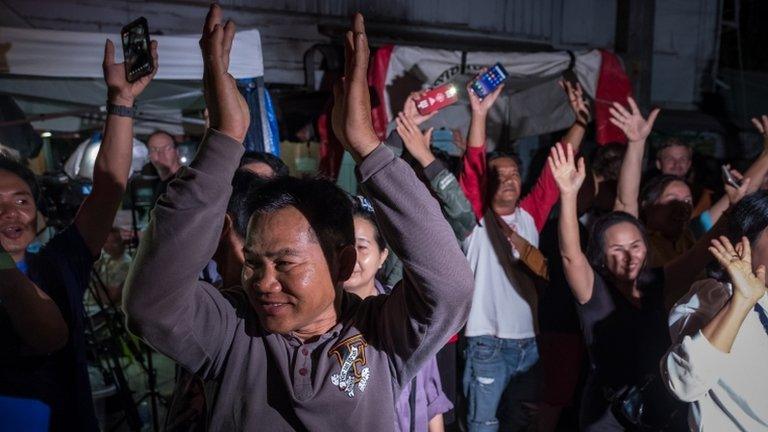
(653, 115)
(109, 53)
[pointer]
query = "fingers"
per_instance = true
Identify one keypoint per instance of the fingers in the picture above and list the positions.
(633, 105)
(155, 57)
(620, 108)
(746, 249)
(228, 40)
(581, 169)
(109, 53)
(569, 154)
(428, 135)
(361, 51)
(212, 19)
(652, 116)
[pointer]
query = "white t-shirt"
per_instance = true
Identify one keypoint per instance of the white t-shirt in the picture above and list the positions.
(504, 303)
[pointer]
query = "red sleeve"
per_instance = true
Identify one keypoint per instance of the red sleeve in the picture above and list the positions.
(472, 178)
(539, 202)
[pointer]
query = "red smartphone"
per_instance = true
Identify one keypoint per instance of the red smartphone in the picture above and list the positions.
(437, 98)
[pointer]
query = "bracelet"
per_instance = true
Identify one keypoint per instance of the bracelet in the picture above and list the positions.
(121, 110)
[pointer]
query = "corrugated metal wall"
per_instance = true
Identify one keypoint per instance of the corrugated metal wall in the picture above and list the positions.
(684, 34)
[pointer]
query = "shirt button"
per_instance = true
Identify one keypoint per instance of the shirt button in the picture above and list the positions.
(305, 351)
(303, 371)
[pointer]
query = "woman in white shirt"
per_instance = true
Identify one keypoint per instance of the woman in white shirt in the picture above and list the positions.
(718, 360)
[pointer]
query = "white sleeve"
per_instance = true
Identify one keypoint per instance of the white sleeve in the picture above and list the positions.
(691, 368)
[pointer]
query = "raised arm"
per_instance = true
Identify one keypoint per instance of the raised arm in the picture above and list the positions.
(752, 179)
(637, 129)
(580, 107)
(164, 303)
(473, 177)
(691, 366)
(35, 317)
(455, 206)
(113, 163)
(544, 194)
(569, 177)
(732, 195)
(432, 302)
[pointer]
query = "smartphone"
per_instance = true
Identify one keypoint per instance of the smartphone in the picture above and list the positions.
(728, 177)
(442, 139)
(138, 59)
(437, 98)
(489, 81)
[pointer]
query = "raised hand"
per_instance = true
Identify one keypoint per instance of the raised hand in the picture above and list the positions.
(410, 110)
(568, 175)
(415, 141)
(351, 116)
(578, 103)
(736, 194)
(227, 110)
(119, 90)
(634, 126)
(481, 107)
(748, 285)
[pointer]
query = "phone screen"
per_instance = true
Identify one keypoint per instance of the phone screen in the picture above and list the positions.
(138, 60)
(489, 81)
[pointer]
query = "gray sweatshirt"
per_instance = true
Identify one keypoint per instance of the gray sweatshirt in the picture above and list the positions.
(349, 378)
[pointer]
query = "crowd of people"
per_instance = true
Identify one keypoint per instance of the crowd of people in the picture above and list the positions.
(419, 304)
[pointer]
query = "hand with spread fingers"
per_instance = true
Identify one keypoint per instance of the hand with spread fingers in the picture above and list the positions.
(748, 286)
(227, 109)
(578, 103)
(119, 90)
(415, 141)
(351, 115)
(632, 123)
(568, 174)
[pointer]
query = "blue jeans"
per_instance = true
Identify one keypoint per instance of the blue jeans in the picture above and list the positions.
(501, 383)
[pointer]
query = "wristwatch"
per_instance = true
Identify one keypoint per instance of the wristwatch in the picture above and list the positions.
(121, 110)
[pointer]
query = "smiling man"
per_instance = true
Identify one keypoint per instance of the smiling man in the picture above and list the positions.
(298, 352)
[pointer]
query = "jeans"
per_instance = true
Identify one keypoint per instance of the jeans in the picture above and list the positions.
(501, 382)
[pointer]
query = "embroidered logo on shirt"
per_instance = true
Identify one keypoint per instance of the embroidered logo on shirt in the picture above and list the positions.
(350, 353)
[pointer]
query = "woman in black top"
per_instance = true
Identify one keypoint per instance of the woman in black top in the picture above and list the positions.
(620, 301)
(622, 314)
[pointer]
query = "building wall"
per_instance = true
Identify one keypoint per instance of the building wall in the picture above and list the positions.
(683, 51)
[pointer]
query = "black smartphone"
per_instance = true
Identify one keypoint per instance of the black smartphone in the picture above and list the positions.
(728, 177)
(138, 59)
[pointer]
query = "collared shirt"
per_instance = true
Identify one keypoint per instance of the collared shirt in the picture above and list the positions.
(729, 391)
(349, 377)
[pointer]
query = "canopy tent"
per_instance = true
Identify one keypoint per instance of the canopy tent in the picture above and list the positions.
(58, 75)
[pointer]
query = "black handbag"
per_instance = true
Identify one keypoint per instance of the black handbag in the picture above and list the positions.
(649, 407)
